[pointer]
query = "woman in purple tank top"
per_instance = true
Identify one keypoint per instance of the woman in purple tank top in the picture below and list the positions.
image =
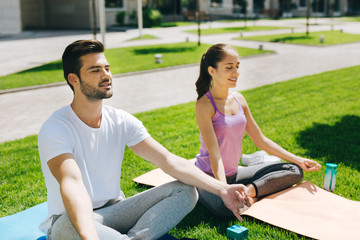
(223, 118)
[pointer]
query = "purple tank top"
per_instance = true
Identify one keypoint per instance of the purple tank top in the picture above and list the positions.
(229, 132)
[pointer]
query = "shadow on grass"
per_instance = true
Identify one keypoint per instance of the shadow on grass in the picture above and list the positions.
(152, 50)
(46, 67)
(286, 39)
(338, 143)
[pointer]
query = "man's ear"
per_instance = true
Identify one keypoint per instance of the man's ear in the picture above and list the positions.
(211, 71)
(73, 78)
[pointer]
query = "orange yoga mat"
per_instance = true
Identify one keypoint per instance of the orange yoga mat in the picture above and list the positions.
(311, 211)
(305, 209)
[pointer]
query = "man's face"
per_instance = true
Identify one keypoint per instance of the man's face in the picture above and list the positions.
(95, 77)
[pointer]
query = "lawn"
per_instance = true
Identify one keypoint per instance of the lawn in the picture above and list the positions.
(330, 38)
(316, 116)
(122, 60)
(350, 19)
(146, 36)
(208, 31)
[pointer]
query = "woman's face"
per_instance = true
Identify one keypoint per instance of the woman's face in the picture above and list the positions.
(226, 73)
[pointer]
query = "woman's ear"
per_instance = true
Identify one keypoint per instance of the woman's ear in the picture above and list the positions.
(211, 71)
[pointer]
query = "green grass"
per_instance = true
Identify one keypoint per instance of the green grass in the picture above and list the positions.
(316, 116)
(331, 38)
(177, 24)
(207, 31)
(122, 60)
(146, 36)
(350, 19)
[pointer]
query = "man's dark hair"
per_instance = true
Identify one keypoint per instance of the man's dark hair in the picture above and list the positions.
(71, 57)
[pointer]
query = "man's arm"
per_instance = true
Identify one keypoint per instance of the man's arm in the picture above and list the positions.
(233, 196)
(74, 195)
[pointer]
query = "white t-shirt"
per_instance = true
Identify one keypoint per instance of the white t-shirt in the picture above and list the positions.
(98, 152)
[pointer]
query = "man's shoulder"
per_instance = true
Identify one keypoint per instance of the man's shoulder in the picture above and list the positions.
(57, 119)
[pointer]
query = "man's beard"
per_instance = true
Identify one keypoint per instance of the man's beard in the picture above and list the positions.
(93, 93)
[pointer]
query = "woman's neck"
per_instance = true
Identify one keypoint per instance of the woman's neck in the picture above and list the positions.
(221, 93)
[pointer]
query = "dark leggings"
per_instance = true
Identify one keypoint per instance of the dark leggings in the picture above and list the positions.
(266, 179)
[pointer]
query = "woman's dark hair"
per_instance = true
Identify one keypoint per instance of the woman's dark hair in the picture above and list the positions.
(71, 57)
(213, 55)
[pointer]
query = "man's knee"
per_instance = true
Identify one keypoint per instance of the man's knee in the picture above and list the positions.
(188, 192)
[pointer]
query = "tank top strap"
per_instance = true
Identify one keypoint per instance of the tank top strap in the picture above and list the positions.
(208, 94)
(236, 99)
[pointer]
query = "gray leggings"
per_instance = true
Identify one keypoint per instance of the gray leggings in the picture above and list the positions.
(266, 178)
(147, 215)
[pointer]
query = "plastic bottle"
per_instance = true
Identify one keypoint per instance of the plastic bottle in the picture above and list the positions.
(330, 176)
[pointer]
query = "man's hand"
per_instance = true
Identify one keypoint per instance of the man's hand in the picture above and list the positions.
(235, 198)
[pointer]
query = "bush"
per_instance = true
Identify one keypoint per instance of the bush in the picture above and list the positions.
(120, 17)
(151, 17)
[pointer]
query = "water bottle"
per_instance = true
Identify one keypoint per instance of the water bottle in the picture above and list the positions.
(330, 176)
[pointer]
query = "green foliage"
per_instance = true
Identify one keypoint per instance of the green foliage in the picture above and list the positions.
(120, 18)
(316, 116)
(151, 17)
(137, 59)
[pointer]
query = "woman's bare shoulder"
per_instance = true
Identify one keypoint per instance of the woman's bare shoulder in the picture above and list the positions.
(204, 105)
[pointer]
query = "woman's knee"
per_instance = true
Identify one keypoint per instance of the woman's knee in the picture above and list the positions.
(214, 204)
(297, 172)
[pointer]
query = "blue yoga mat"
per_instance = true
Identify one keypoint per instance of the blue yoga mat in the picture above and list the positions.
(24, 225)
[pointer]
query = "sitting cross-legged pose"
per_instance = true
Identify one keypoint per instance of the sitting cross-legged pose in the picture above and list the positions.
(81, 149)
(223, 117)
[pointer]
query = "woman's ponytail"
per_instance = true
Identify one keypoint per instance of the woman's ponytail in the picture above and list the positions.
(204, 80)
(213, 55)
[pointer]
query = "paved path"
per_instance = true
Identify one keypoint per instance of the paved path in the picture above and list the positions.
(24, 112)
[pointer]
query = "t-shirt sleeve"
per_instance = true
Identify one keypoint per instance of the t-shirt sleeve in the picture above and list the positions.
(54, 139)
(135, 130)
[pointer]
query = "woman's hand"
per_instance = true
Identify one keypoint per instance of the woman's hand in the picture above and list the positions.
(236, 199)
(309, 165)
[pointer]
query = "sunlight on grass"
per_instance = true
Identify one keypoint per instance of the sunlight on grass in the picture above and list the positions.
(144, 37)
(330, 38)
(207, 31)
(316, 116)
(122, 60)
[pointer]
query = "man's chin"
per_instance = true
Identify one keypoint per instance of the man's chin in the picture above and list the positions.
(108, 94)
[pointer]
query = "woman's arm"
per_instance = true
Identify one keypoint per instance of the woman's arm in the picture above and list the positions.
(264, 143)
(234, 196)
(204, 112)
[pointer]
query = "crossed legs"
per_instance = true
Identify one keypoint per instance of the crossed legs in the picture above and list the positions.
(261, 180)
(147, 215)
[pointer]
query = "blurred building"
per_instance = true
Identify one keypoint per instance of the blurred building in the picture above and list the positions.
(18, 15)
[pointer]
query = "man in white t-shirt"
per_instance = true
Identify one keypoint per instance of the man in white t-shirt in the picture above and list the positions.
(81, 148)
